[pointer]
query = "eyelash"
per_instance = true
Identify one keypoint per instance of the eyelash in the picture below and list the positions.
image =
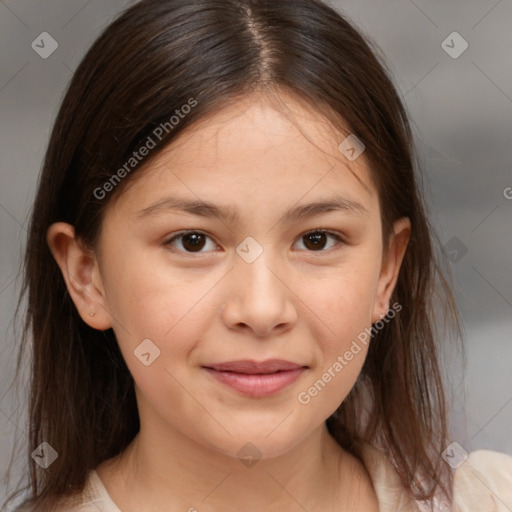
(181, 234)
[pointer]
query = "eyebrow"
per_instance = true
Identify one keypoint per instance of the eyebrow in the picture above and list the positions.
(230, 215)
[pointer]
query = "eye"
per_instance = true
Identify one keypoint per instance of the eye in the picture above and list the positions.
(317, 240)
(191, 241)
(195, 241)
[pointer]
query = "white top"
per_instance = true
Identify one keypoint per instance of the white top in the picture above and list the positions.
(482, 483)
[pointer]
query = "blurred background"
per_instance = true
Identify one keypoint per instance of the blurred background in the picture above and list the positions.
(452, 62)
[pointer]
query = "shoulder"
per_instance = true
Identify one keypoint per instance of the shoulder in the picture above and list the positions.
(483, 482)
(94, 498)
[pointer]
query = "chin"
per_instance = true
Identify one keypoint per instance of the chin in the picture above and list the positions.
(251, 444)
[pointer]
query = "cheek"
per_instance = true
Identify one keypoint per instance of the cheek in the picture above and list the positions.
(343, 303)
(174, 312)
(148, 300)
(337, 371)
(345, 299)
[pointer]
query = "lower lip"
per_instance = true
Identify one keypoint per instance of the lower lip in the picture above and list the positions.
(257, 385)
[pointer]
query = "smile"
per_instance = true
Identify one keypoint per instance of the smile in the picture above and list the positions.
(256, 379)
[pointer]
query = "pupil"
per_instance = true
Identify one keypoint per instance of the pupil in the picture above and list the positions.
(315, 240)
(193, 242)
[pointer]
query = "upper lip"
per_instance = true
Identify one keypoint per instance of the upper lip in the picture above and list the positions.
(254, 367)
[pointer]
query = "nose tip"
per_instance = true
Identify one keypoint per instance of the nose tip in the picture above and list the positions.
(258, 299)
(261, 329)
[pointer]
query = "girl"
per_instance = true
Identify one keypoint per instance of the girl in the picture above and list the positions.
(231, 279)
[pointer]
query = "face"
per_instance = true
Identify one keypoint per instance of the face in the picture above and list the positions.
(263, 272)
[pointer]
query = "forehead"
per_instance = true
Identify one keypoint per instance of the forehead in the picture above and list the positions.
(260, 147)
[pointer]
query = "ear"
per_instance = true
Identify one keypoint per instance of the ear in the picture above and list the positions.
(392, 258)
(80, 270)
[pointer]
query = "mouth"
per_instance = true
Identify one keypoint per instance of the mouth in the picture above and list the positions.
(256, 379)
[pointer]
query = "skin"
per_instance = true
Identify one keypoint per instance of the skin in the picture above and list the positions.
(292, 303)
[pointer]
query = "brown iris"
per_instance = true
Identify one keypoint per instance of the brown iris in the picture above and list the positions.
(193, 242)
(315, 240)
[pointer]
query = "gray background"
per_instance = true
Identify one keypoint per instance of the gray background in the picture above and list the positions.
(462, 115)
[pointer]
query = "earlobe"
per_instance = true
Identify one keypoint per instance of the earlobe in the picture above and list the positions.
(393, 256)
(80, 271)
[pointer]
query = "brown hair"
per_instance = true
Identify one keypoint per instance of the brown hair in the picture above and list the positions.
(148, 63)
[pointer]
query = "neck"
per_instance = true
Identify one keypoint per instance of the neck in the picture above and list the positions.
(163, 467)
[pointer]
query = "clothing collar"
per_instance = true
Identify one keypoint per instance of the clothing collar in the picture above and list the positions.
(391, 494)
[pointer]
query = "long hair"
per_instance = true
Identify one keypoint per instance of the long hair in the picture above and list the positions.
(147, 64)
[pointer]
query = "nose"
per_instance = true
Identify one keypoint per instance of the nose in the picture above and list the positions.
(259, 298)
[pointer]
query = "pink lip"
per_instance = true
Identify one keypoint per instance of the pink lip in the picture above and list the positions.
(256, 379)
